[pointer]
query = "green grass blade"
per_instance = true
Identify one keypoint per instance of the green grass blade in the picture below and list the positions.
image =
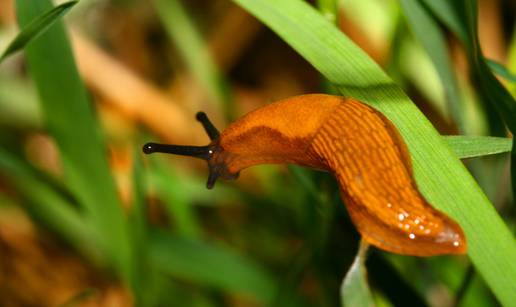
(490, 89)
(36, 27)
(177, 202)
(355, 290)
(501, 70)
(329, 9)
(440, 175)
(69, 117)
(446, 11)
(139, 229)
(477, 146)
(429, 34)
(210, 265)
(192, 47)
(46, 204)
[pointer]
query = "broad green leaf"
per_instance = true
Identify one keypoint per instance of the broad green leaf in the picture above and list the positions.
(69, 117)
(211, 265)
(429, 34)
(36, 27)
(501, 70)
(354, 291)
(477, 146)
(441, 177)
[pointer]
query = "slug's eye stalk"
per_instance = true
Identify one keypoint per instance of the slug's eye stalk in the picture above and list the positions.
(201, 152)
(210, 129)
(212, 153)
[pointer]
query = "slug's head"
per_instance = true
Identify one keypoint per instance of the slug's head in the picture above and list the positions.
(213, 153)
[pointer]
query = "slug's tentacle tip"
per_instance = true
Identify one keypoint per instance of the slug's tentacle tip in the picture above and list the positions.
(212, 178)
(148, 148)
(201, 116)
(210, 129)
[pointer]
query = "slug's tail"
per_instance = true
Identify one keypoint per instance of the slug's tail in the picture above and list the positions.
(373, 167)
(419, 237)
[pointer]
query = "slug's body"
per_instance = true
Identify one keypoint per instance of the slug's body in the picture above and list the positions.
(359, 146)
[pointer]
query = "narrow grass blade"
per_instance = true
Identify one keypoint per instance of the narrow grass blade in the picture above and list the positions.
(46, 204)
(429, 34)
(477, 146)
(177, 201)
(490, 89)
(193, 49)
(139, 234)
(440, 175)
(355, 291)
(69, 117)
(36, 27)
(138, 216)
(501, 70)
(210, 265)
(448, 14)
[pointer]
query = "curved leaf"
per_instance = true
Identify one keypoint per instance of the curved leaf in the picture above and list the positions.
(36, 27)
(355, 291)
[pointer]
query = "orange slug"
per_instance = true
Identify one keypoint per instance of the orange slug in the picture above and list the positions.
(356, 143)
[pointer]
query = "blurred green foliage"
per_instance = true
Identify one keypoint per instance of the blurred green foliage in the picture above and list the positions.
(286, 240)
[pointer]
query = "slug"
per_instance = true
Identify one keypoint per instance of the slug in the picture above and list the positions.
(353, 141)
